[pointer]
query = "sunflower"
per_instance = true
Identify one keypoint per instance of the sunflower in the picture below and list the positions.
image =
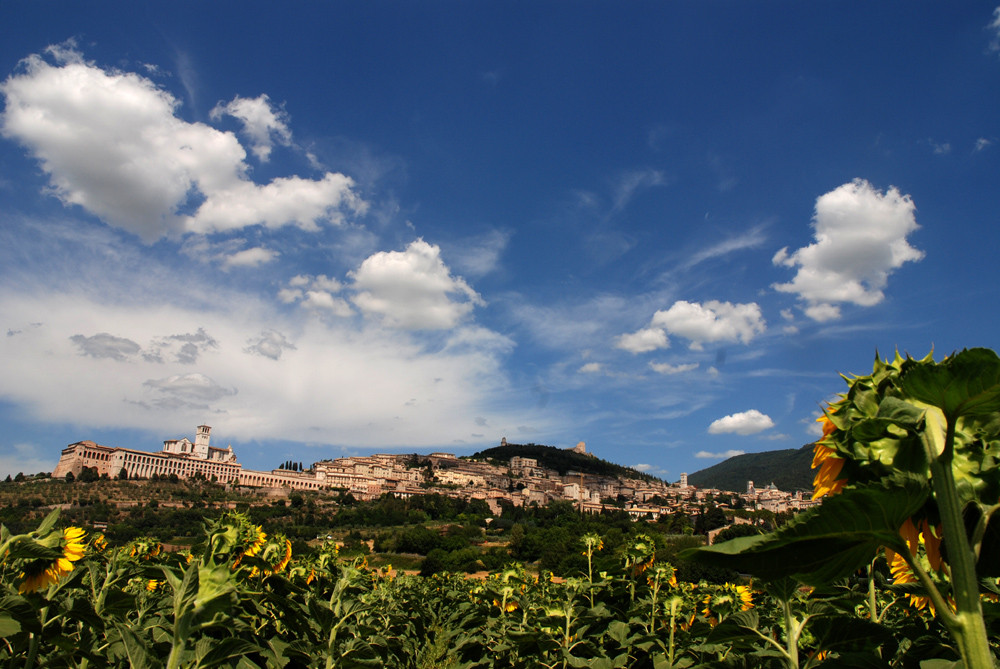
(900, 570)
(43, 572)
(830, 464)
(507, 607)
(257, 540)
(745, 596)
(286, 558)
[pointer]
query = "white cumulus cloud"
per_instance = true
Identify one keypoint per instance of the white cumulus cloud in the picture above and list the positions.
(860, 238)
(261, 123)
(712, 321)
(412, 289)
(744, 423)
(112, 143)
(643, 341)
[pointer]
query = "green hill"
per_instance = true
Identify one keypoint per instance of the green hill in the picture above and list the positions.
(788, 469)
(561, 460)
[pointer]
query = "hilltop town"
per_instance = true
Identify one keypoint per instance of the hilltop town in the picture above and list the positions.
(518, 481)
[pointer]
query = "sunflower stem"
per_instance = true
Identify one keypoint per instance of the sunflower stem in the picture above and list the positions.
(792, 631)
(966, 624)
(873, 613)
(43, 615)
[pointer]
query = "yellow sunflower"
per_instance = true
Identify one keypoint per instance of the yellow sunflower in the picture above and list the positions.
(899, 568)
(508, 607)
(745, 596)
(286, 558)
(42, 572)
(259, 539)
(829, 463)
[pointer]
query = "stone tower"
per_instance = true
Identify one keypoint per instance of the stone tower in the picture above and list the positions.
(201, 441)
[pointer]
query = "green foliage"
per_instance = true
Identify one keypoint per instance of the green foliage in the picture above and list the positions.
(910, 453)
(230, 604)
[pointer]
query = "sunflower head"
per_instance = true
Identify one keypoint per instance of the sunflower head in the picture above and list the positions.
(64, 548)
(506, 607)
(827, 480)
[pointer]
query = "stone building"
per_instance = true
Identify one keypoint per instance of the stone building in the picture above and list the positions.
(180, 457)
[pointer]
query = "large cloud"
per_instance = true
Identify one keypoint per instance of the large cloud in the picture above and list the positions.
(412, 289)
(744, 423)
(712, 321)
(860, 238)
(260, 374)
(112, 143)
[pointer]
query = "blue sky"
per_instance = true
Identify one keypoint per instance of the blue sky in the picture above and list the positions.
(660, 228)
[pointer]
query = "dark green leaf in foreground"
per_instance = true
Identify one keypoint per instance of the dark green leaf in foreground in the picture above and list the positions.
(829, 542)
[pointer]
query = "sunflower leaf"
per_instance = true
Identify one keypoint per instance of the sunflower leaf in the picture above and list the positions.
(829, 542)
(965, 384)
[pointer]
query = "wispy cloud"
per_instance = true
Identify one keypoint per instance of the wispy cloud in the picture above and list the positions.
(631, 183)
(994, 27)
(23, 458)
(724, 455)
(751, 239)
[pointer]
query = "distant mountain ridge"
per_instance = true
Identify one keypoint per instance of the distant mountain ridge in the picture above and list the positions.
(788, 469)
(561, 460)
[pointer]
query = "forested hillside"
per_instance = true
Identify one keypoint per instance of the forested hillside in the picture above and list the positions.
(788, 469)
(561, 460)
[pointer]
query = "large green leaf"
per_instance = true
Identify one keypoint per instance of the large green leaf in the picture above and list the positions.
(827, 543)
(843, 633)
(8, 626)
(225, 650)
(737, 627)
(966, 384)
(139, 656)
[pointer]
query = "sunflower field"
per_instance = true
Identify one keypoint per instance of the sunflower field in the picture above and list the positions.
(898, 568)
